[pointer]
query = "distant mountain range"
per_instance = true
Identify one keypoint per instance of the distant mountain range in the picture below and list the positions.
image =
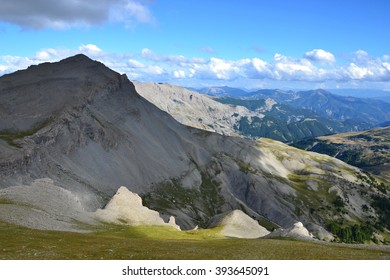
(362, 110)
(287, 123)
(221, 91)
(364, 93)
(236, 92)
(327, 112)
(285, 116)
(342, 108)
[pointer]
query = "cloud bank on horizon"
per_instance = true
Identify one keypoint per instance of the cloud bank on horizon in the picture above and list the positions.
(315, 67)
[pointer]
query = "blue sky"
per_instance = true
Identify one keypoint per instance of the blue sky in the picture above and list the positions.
(243, 43)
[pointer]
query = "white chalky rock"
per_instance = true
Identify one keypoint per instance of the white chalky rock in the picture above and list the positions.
(125, 207)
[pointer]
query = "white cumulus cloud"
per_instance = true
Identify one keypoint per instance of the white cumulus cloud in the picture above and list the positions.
(355, 72)
(321, 56)
(179, 74)
(90, 50)
(146, 65)
(286, 68)
(130, 12)
(3, 69)
(46, 55)
(135, 64)
(222, 69)
(361, 54)
(176, 59)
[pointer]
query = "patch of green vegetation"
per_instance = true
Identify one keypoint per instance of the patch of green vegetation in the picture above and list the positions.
(124, 243)
(246, 167)
(382, 206)
(10, 136)
(5, 201)
(317, 202)
(368, 150)
(339, 202)
(363, 137)
(351, 234)
(210, 193)
(158, 232)
(202, 203)
(298, 180)
(372, 182)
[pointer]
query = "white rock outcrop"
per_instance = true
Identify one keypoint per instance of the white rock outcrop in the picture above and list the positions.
(238, 224)
(298, 230)
(125, 207)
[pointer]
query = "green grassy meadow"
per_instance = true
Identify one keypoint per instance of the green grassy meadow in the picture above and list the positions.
(157, 243)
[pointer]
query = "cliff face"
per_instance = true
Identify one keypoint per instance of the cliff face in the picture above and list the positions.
(86, 128)
(195, 109)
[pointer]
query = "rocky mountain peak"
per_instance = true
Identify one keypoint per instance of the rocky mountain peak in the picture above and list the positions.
(31, 97)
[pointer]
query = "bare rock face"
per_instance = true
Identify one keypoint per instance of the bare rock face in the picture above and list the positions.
(43, 205)
(126, 207)
(319, 232)
(237, 224)
(195, 109)
(298, 230)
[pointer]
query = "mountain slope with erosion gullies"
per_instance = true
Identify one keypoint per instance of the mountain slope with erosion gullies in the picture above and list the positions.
(194, 109)
(86, 130)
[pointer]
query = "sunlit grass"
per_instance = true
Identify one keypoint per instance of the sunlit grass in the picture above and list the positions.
(118, 242)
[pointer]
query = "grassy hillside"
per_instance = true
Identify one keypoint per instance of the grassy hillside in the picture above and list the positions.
(369, 150)
(116, 242)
